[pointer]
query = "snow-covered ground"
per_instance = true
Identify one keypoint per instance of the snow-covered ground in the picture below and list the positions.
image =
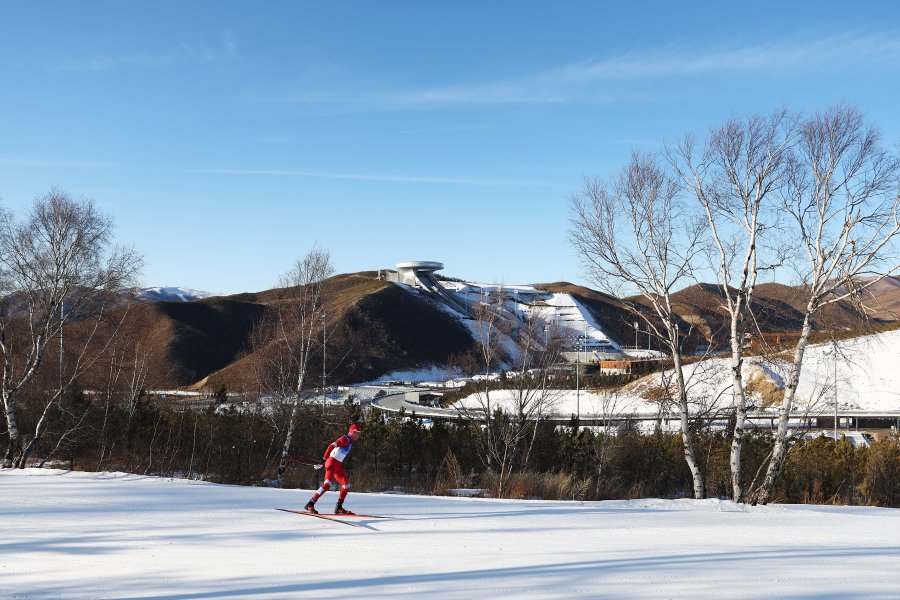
(868, 379)
(868, 372)
(111, 535)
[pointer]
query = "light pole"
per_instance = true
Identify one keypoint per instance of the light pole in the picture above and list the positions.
(834, 352)
(323, 361)
(577, 382)
(578, 399)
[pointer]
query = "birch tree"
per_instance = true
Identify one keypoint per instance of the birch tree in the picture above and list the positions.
(635, 232)
(842, 200)
(292, 337)
(57, 266)
(494, 443)
(734, 177)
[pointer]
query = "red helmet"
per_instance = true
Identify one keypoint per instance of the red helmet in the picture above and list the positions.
(355, 428)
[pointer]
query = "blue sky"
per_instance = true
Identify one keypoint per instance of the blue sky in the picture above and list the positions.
(226, 139)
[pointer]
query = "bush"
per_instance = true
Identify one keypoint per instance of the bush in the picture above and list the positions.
(881, 485)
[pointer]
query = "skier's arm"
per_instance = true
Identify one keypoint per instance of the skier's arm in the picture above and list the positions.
(338, 443)
(328, 451)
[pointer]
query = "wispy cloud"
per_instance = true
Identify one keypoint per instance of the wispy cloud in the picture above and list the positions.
(230, 43)
(617, 78)
(369, 177)
(65, 164)
(196, 53)
(110, 63)
(782, 55)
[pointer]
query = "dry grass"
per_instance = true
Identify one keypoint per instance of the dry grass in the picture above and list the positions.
(547, 486)
(768, 390)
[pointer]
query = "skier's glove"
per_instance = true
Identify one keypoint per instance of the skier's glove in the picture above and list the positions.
(317, 467)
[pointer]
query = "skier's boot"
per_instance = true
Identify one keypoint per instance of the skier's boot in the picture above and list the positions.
(340, 510)
(311, 507)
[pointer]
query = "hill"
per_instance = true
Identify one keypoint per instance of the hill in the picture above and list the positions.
(375, 327)
(616, 315)
(882, 299)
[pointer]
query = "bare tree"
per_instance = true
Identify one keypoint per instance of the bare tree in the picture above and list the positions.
(636, 233)
(509, 418)
(290, 338)
(842, 201)
(734, 177)
(535, 397)
(494, 442)
(57, 266)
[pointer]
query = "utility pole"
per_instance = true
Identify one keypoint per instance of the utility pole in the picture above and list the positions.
(61, 345)
(577, 382)
(834, 351)
(578, 398)
(323, 362)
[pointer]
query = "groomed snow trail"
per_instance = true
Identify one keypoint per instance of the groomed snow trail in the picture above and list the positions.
(111, 535)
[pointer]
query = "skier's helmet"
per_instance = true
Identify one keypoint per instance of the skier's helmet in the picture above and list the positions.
(354, 431)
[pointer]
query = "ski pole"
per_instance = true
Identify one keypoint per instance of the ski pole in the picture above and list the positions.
(314, 465)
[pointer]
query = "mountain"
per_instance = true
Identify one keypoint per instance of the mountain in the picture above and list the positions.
(169, 294)
(616, 314)
(374, 327)
(882, 298)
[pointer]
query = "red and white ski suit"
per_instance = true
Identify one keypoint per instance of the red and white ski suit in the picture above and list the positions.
(334, 469)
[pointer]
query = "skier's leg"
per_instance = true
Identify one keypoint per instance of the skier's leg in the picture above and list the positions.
(341, 478)
(326, 485)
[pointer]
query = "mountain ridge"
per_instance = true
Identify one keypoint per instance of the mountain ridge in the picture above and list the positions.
(375, 327)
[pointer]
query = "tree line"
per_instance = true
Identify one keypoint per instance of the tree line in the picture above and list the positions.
(241, 444)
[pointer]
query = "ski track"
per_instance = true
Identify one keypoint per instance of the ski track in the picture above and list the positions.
(112, 535)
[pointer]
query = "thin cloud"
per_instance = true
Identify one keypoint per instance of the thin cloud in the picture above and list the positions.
(66, 164)
(111, 63)
(849, 48)
(230, 43)
(617, 78)
(184, 53)
(368, 177)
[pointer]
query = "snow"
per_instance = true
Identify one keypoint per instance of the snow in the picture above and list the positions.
(173, 294)
(868, 380)
(111, 535)
(429, 374)
(868, 372)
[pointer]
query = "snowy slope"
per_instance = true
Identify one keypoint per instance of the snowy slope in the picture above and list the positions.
(868, 372)
(110, 535)
(171, 294)
(867, 369)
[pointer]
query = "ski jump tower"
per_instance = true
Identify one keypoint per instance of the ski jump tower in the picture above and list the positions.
(412, 271)
(420, 273)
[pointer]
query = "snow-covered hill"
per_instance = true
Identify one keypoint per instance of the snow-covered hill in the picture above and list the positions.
(866, 371)
(171, 294)
(111, 535)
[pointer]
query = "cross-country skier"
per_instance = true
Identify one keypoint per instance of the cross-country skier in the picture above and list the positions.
(334, 470)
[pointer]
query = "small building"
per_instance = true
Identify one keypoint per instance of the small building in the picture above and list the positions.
(430, 399)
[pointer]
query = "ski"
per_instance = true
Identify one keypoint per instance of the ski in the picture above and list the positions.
(325, 517)
(362, 516)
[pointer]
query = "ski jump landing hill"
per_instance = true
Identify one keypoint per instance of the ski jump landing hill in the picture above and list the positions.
(562, 313)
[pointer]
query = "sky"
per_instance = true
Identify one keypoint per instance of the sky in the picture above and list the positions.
(227, 139)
